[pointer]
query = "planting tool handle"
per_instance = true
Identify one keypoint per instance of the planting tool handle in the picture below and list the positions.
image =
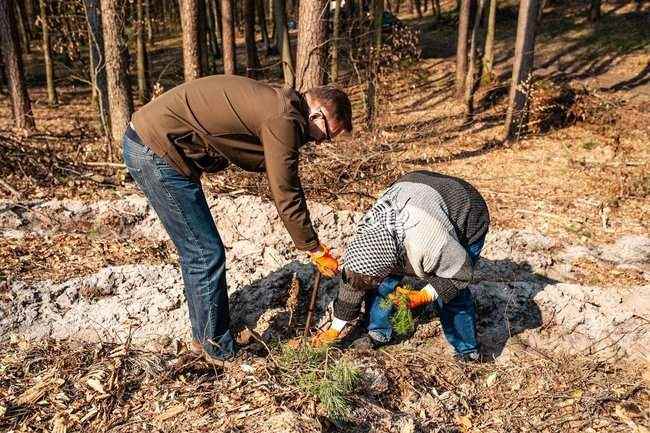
(312, 302)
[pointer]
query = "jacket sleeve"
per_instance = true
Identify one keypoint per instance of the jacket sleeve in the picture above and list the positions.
(280, 138)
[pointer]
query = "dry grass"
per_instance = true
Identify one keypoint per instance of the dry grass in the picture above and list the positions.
(118, 388)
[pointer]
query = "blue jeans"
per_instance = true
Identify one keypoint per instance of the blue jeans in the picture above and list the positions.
(180, 204)
(457, 317)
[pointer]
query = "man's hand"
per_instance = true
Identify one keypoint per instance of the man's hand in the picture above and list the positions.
(413, 298)
(324, 261)
(325, 338)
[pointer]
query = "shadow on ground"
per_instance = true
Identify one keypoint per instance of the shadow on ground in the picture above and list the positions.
(504, 294)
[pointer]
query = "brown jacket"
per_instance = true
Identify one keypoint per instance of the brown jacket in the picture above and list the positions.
(208, 123)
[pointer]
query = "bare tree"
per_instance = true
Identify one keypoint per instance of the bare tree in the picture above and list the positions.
(23, 25)
(594, 11)
(97, 61)
(312, 36)
(522, 68)
(252, 61)
(13, 64)
(488, 52)
(52, 99)
(282, 42)
(336, 25)
(189, 12)
(470, 81)
(377, 9)
(147, 19)
(228, 37)
(461, 50)
(213, 44)
(261, 21)
(142, 60)
(417, 6)
(119, 88)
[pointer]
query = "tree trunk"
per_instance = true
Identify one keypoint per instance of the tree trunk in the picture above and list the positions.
(47, 55)
(461, 50)
(216, 12)
(522, 68)
(377, 9)
(470, 81)
(29, 18)
(97, 61)
(488, 53)
(437, 9)
(215, 52)
(13, 63)
(418, 8)
(142, 58)
(594, 11)
(3, 75)
(261, 20)
(336, 24)
(252, 61)
(203, 37)
(282, 42)
(312, 37)
(21, 21)
(189, 13)
(119, 89)
(147, 15)
(540, 11)
(228, 26)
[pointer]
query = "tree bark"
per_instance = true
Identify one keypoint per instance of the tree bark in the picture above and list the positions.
(229, 48)
(377, 9)
(336, 24)
(147, 14)
(215, 52)
(98, 61)
(13, 65)
(216, 12)
(21, 22)
(312, 37)
(203, 37)
(488, 52)
(418, 8)
(52, 99)
(142, 57)
(282, 42)
(470, 81)
(522, 68)
(261, 20)
(119, 89)
(594, 11)
(189, 12)
(461, 50)
(252, 60)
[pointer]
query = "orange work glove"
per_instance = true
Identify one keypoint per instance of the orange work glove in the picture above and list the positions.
(415, 298)
(326, 264)
(325, 338)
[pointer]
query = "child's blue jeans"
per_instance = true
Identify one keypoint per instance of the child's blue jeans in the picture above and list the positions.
(457, 317)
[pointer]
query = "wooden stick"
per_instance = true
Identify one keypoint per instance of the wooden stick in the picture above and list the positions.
(10, 189)
(312, 303)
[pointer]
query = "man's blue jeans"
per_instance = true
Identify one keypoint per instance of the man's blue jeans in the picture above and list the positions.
(180, 204)
(457, 317)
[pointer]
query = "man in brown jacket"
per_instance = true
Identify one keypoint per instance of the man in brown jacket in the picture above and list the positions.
(204, 126)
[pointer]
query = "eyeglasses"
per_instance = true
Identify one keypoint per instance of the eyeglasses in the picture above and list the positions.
(328, 133)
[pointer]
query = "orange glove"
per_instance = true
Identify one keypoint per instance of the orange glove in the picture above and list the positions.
(326, 264)
(415, 298)
(325, 338)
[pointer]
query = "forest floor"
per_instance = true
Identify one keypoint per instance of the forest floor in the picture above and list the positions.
(563, 292)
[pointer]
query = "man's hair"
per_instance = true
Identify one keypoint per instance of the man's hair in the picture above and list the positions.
(336, 102)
